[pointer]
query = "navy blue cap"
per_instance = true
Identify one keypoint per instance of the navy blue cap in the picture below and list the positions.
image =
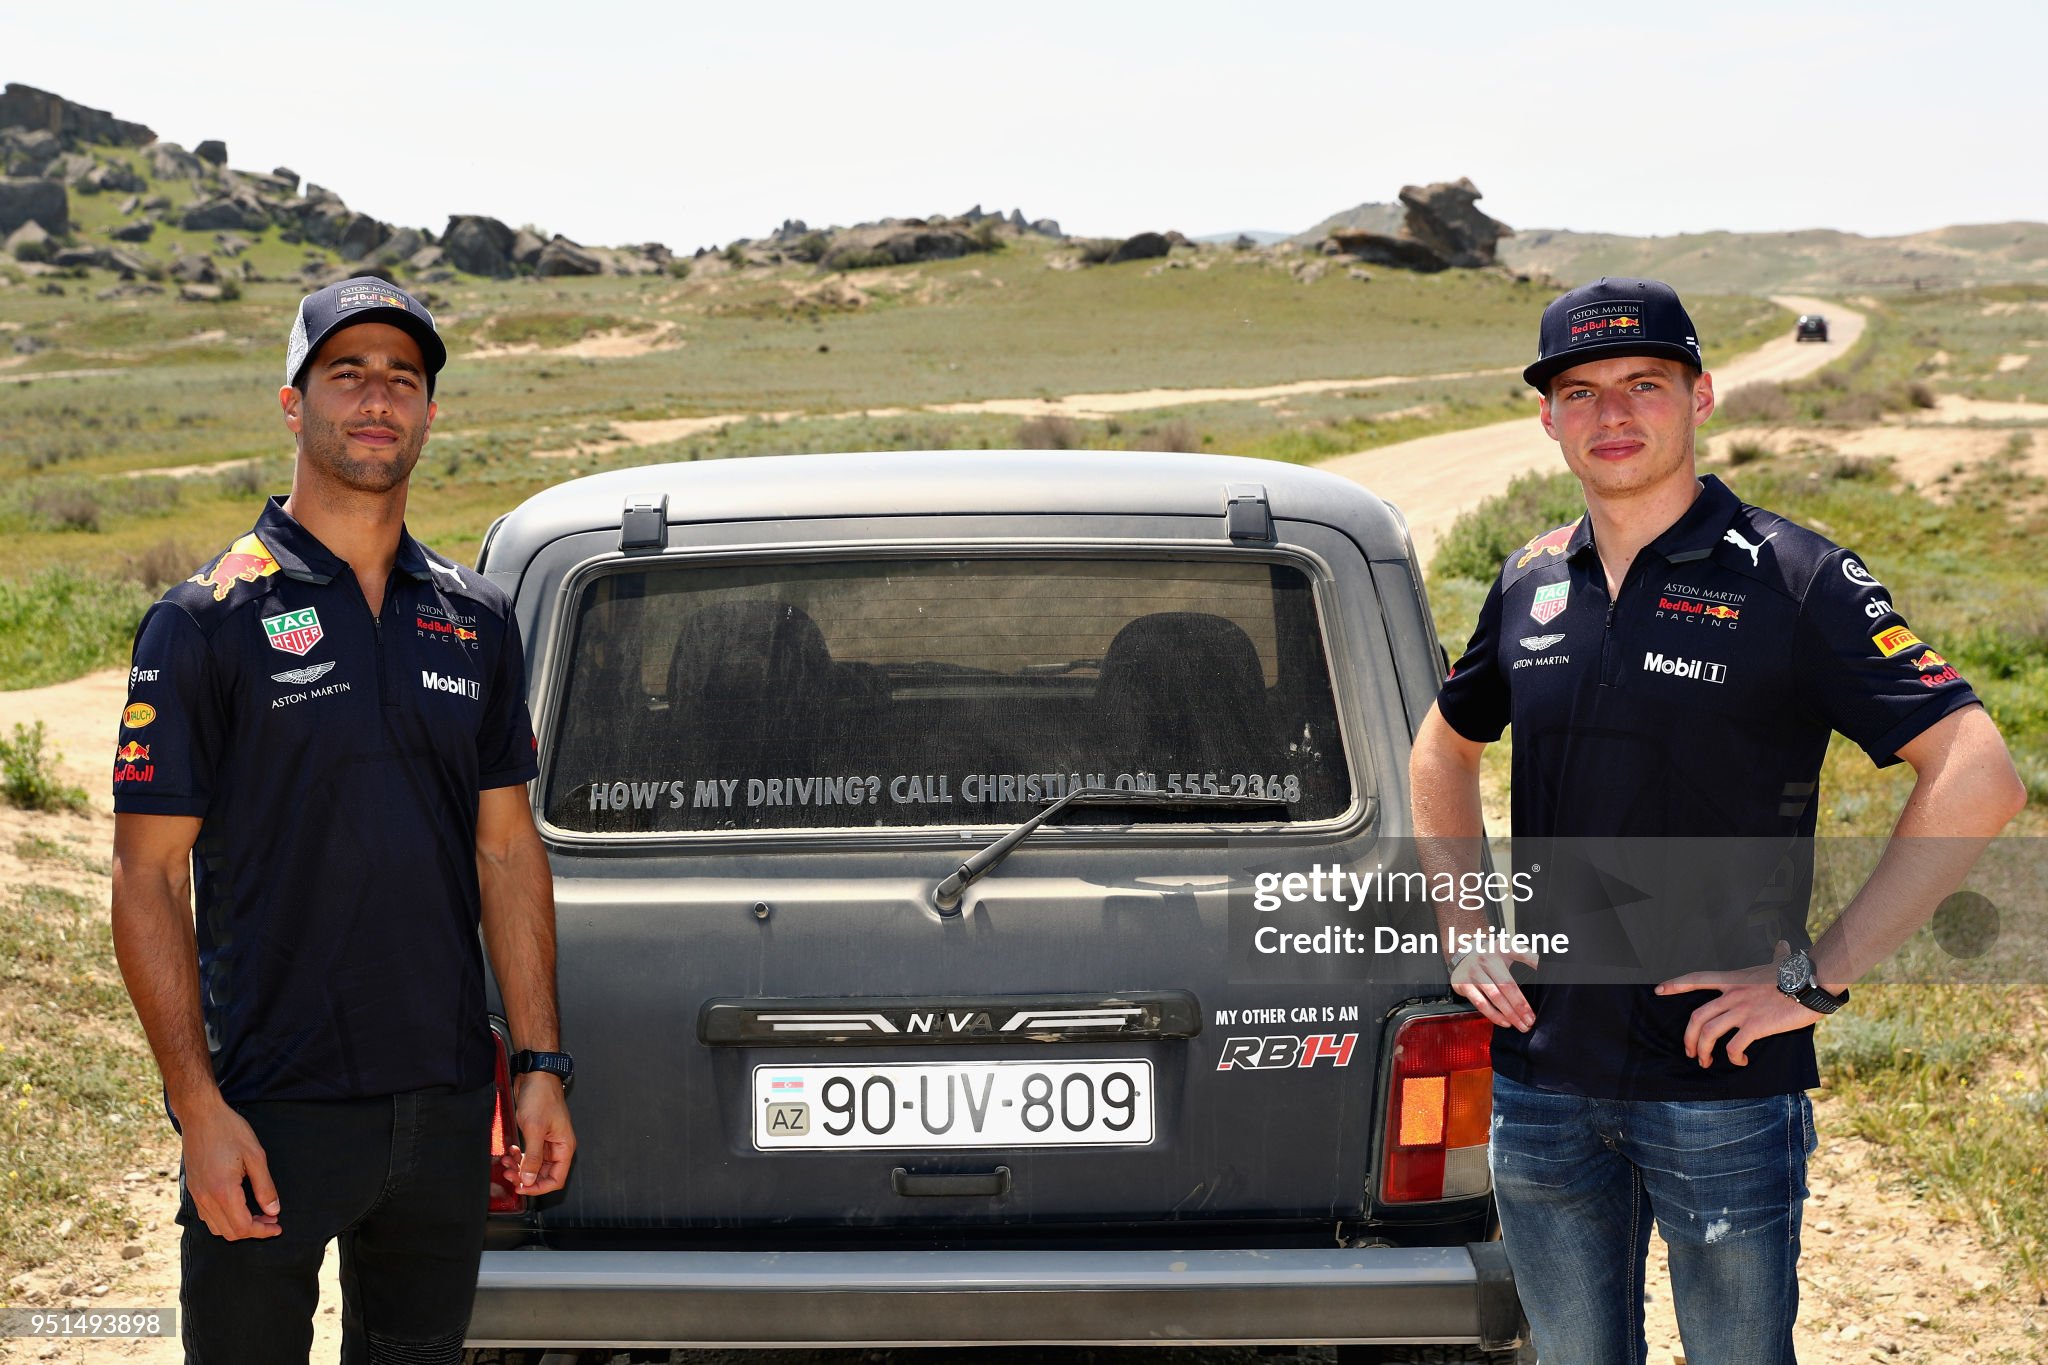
(362, 299)
(1610, 318)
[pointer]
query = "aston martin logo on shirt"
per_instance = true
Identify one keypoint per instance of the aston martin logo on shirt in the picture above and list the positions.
(1538, 643)
(299, 677)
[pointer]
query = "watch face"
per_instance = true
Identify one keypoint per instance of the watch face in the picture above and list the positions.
(1794, 972)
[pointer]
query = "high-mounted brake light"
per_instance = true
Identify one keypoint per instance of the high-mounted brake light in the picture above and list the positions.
(1440, 1109)
(504, 1199)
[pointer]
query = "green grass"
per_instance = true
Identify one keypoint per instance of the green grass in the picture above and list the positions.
(1947, 1078)
(57, 624)
(78, 1097)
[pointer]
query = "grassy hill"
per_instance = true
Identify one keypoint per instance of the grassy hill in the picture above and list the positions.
(1816, 260)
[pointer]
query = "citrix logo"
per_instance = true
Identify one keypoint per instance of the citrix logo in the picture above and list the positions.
(1698, 669)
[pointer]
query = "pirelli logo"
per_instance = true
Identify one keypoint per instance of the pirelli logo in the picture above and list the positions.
(442, 682)
(1895, 641)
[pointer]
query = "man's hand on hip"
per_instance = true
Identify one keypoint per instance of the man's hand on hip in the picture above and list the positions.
(220, 1150)
(539, 1162)
(1483, 979)
(1749, 1007)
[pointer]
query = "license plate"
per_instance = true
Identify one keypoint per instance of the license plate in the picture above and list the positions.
(953, 1104)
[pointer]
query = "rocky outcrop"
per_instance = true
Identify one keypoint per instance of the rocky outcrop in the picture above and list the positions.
(41, 201)
(24, 106)
(1441, 229)
(564, 257)
(478, 244)
(1145, 246)
(29, 152)
(169, 161)
(1444, 217)
(913, 240)
(213, 151)
(28, 242)
(222, 212)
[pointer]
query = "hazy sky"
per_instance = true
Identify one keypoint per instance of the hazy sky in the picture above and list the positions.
(693, 124)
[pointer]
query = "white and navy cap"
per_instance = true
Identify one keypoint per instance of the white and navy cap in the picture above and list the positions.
(363, 299)
(1609, 318)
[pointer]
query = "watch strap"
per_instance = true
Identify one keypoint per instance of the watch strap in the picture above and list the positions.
(554, 1063)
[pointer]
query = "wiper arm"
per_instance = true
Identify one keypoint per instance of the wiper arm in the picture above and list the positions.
(946, 895)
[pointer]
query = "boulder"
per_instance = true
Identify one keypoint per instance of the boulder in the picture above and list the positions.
(79, 257)
(401, 244)
(128, 289)
(216, 214)
(201, 293)
(29, 151)
(42, 201)
(28, 242)
(1145, 246)
(156, 203)
(360, 236)
(1443, 216)
(127, 263)
(1047, 227)
(212, 150)
(138, 231)
(195, 270)
(71, 168)
(478, 244)
(564, 257)
(526, 248)
(858, 248)
(115, 177)
(1377, 248)
(24, 106)
(1016, 220)
(169, 161)
(230, 244)
(426, 258)
(287, 175)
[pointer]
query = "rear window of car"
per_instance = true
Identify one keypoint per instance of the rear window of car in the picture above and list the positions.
(913, 693)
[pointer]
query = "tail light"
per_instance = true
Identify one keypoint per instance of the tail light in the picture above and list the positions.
(504, 1199)
(1439, 1109)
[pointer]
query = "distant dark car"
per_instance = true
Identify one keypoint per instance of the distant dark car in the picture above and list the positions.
(830, 1093)
(1812, 327)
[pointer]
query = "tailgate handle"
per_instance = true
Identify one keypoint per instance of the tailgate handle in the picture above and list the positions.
(986, 1183)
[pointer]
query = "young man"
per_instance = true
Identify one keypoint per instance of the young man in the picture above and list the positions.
(1672, 665)
(319, 794)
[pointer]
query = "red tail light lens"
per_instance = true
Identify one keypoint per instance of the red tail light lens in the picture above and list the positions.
(504, 1199)
(1440, 1110)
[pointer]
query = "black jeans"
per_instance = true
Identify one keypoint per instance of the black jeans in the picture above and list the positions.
(401, 1181)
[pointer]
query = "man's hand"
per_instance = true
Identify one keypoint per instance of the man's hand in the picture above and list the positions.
(220, 1150)
(1483, 979)
(1750, 1006)
(539, 1162)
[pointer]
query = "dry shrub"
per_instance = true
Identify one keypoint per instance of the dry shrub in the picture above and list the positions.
(1756, 403)
(1920, 394)
(1174, 435)
(1746, 452)
(69, 507)
(159, 566)
(1854, 407)
(1048, 433)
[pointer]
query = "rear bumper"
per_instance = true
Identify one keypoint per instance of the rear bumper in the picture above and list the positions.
(1444, 1295)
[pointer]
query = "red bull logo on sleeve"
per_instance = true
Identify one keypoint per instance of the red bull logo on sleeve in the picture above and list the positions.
(246, 561)
(134, 763)
(1549, 543)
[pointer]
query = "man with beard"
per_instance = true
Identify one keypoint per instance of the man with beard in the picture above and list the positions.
(1673, 663)
(319, 796)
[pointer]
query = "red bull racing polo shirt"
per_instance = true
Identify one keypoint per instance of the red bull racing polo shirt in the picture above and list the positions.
(334, 759)
(1696, 706)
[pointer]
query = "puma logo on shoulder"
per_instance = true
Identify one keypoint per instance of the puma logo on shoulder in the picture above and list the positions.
(1741, 542)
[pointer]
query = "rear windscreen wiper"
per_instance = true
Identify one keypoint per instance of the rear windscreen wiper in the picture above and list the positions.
(946, 895)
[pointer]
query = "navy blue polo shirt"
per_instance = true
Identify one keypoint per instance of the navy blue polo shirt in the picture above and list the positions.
(1694, 706)
(335, 760)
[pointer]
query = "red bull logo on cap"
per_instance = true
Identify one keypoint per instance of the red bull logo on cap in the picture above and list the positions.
(246, 561)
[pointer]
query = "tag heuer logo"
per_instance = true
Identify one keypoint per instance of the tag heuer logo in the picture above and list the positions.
(294, 632)
(1550, 602)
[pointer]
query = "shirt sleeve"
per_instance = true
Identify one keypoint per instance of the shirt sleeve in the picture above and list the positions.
(505, 747)
(1474, 698)
(1861, 668)
(173, 726)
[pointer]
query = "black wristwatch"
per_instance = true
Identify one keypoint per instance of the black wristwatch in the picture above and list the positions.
(1795, 978)
(555, 1063)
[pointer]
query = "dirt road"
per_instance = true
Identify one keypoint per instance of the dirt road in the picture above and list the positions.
(1433, 479)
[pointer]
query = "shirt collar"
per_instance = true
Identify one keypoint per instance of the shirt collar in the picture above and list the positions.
(1693, 536)
(299, 553)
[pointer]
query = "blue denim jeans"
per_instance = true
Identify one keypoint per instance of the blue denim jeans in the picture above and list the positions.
(1579, 1180)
